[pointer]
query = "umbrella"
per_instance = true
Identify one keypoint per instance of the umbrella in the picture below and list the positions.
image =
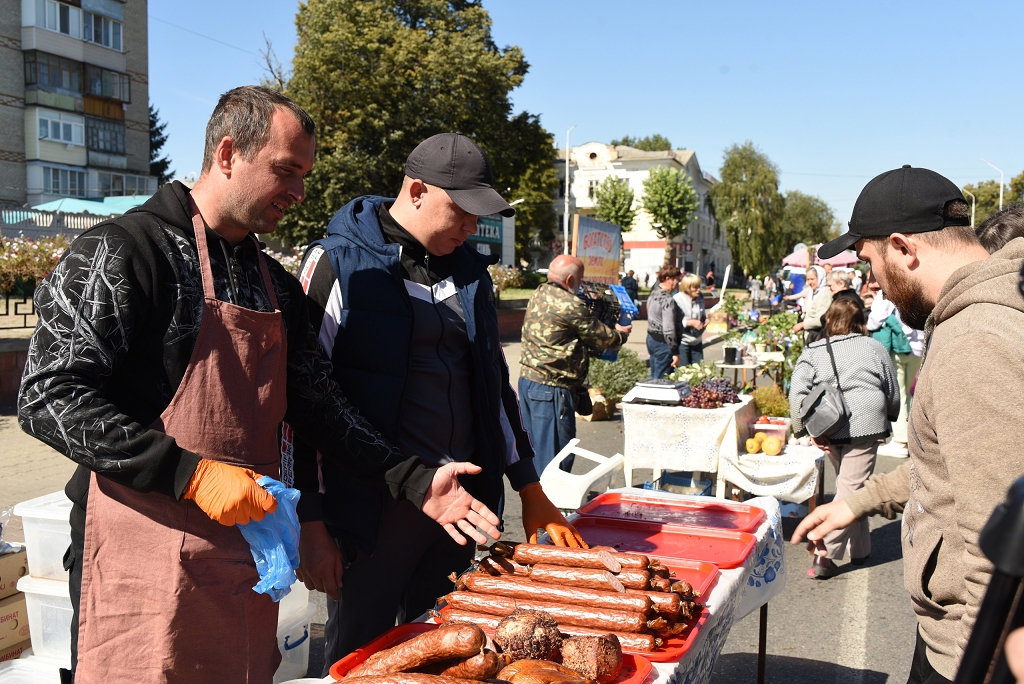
(799, 258)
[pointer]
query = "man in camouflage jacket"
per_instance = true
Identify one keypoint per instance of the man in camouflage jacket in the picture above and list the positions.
(558, 333)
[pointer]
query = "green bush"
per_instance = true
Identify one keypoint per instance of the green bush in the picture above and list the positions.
(771, 401)
(532, 280)
(614, 378)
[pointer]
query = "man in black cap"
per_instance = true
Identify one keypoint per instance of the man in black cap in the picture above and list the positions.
(913, 226)
(406, 310)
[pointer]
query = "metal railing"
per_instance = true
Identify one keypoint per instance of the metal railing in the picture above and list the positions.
(33, 223)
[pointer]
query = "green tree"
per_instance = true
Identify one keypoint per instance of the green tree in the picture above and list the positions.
(651, 143)
(380, 76)
(750, 208)
(158, 166)
(807, 219)
(613, 202)
(986, 194)
(1017, 185)
(671, 202)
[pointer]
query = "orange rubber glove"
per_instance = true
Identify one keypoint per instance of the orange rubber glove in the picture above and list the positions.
(229, 494)
(540, 513)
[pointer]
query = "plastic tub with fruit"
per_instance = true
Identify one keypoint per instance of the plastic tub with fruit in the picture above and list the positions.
(771, 427)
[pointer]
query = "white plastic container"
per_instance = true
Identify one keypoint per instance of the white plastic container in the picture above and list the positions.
(29, 670)
(48, 603)
(780, 431)
(293, 604)
(47, 534)
(293, 640)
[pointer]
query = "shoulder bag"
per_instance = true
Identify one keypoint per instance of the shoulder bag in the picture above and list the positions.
(824, 410)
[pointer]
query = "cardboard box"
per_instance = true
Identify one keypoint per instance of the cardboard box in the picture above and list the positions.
(13, 621)
(13, 566)
(15, 651)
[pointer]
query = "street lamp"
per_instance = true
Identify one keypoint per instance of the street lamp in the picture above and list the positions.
(972, 207)
(1000, 181)
(565, 222)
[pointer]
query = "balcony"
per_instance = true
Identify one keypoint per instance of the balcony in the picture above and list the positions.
(44, 40)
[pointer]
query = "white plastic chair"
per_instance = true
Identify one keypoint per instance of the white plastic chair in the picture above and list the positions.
(568, 491)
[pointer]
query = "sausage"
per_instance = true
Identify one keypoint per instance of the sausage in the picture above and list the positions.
(479, 667)
(529, 671)
(661, 584)
(443, 643)
(683, 588)
(502, 566)
(406, 678)
(482, 619)
(523, 588)
(629, 578)
(599, 558)
(581, 616)
(630, 641)
(667, 604)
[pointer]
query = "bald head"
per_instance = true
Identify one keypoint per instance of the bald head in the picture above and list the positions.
(567, 271)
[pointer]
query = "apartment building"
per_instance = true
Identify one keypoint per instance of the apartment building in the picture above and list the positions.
(74, 100)
(701, 248)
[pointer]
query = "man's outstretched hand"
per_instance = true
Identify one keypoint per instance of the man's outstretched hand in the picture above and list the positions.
(320, 562)
(454, 509)
(824, 519)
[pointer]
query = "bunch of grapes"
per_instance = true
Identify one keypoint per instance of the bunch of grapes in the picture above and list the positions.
(711, 394)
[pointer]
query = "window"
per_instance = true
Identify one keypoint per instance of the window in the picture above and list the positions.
(59, 17)
(106, 83)
(66, 182)
(53, 73)
(592, 188)
(100, 30)
(65, 128)
(104, 136)
(118, 185)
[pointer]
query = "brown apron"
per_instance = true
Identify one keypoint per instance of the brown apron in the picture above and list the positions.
(166, 591)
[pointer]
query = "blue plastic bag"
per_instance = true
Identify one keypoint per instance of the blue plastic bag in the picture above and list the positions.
(274, 541)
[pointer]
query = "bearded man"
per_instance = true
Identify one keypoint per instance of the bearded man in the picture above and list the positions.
(913, 226)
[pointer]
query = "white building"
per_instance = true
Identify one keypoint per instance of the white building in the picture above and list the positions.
(696, 251)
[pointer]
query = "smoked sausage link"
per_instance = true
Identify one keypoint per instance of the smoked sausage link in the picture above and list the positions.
(502, 566)
(523, 588)
(482, 619)
(406, 678)
(631, 641)
(590, 578)
(667, 604)
(564, 614)
(443, 643)
(479, 667)
(533, 554)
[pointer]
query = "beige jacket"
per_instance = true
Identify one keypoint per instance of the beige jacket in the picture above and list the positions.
(964, 449)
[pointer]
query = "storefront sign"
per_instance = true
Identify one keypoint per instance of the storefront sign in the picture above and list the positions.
(488, 235)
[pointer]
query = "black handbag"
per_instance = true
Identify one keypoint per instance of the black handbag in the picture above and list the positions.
(824, 410)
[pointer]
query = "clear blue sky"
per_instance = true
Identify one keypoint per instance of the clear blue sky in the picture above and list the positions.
(833, 93)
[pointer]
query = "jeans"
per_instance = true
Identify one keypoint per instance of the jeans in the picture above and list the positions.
(691, 353)
(906, 366)
(550, 417)
(661, 357)
(921, 671)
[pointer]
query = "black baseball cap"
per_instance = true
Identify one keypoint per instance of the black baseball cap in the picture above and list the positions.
(454, 163)
(904, 200)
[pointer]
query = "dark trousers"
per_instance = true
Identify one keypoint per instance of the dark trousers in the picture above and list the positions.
(402, 579)
(921, 671)
(661, 357)
(550, 417)
(691, 353)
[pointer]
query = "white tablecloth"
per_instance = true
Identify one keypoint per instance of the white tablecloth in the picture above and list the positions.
(680, 438)
(791, 476)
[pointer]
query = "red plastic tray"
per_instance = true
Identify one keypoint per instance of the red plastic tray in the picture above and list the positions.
(701, 576)
(724, 548)
(635, 668)
(624, 506)
(671, 651)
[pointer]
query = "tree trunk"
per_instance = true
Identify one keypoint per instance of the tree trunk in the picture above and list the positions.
(668, 252)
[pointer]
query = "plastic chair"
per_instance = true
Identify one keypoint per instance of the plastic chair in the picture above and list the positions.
(568, 491)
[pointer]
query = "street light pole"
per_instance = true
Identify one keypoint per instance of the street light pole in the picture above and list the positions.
(972, 207)
(1000, 181)
(565, 222)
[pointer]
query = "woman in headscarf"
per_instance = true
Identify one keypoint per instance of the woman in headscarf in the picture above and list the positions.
(814, 316)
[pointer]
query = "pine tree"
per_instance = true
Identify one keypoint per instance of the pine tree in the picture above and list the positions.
(158, 166)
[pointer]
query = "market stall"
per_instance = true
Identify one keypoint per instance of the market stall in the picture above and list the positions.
(684, 533)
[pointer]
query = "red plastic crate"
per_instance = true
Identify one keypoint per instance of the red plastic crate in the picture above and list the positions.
(724, 548)
(635, 668)
(634, 508)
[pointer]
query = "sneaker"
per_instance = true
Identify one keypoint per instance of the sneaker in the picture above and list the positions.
(893, 450)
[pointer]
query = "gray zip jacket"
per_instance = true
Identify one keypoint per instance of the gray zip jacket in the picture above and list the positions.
(664, 319)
